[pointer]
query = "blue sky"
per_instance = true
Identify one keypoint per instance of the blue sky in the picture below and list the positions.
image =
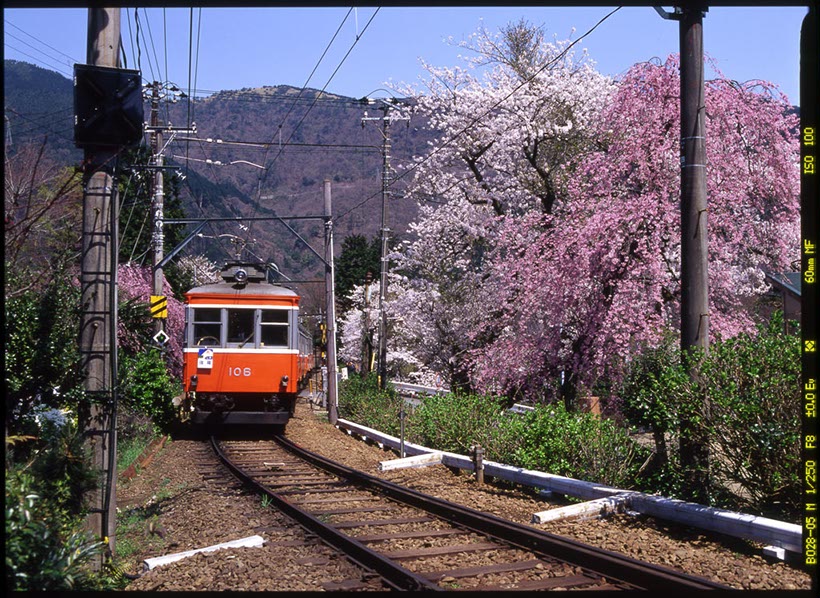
(252, 47)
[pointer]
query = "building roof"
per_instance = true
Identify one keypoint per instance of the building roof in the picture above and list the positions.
(786, 281)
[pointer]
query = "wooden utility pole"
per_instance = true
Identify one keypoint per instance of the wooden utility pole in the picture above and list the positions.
(694, 448)
(98, 322)
(332, 391)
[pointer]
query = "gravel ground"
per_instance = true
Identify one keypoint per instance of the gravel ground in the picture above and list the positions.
(174, 506)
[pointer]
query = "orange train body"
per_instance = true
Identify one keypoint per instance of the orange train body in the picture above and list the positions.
(245, 355)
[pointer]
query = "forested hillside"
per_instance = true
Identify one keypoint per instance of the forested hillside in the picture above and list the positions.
(300, 138)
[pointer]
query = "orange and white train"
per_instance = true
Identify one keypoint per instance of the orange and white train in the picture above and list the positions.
(246, 356)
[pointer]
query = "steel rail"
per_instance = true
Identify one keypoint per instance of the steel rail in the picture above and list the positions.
(610, 564)
(394, 574)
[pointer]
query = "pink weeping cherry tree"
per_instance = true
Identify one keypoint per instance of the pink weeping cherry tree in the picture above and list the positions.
(579, 288)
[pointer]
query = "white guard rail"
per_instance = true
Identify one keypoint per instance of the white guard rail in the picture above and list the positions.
(780, 534)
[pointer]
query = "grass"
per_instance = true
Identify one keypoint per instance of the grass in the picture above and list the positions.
(129, 450)
(134, 525)
(133, 528)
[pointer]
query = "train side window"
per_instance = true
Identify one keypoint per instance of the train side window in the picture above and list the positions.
(240, 326)
(274, 327)
(207, 327)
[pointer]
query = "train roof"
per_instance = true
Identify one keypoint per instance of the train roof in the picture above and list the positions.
(239, 289)
(243, 279)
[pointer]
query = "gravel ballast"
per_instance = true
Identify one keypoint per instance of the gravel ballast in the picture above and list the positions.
(175, 506)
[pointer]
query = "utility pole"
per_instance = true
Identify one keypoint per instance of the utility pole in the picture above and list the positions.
(386, 119)
(159, 302)
(98, 322)
(332, 391)
(694, 449)
(367, 340)
(157, 205)
(694, 246)
(384, 232)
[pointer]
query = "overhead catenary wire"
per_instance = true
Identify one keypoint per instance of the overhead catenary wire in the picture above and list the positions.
(263, 175)
(336, 70)
(193, 64)
(154, 48)
(131, 38)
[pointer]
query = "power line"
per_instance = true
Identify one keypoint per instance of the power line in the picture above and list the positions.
(39, 60)
(153, 47)
(304, 116)
(478, 118)
(358, 37)
(73, 60)
(263, 174)
(264, 144)
(22, 41)
(45, 129)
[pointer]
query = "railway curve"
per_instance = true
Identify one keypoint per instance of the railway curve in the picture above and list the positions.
(539, 560)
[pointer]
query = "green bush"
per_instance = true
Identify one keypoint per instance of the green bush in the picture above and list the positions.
(145, 387)
(361, 401)
(549, 439)
(42, 356)
(752, 419)
(576, 445)
(38, 556)
(456, 422)
(61, 463)
(650, 395)
(753, 383)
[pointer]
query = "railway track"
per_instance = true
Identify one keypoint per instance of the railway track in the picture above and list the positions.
(418, 542)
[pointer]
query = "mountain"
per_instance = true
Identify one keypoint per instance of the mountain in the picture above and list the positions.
(39, 103)
(301, 137)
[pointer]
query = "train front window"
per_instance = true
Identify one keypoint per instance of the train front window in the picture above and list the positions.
(240, 326)
(274, 328)
(207, 327)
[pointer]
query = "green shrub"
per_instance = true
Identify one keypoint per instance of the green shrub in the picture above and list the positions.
(456, 422)
(41, 351)
(650, 396)
(576, 445)
(61, 464)
(45, 549)
(361, 401)
(753, 383)
(752, 419)
(145, 387)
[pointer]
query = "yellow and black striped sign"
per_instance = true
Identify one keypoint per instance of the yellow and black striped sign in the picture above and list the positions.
(159, 306)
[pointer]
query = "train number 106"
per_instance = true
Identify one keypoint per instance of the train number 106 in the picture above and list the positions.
(239, 372)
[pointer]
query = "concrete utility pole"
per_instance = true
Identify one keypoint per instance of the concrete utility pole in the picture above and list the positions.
(367, 340)
(384, 232)
(330, 288)
(694, 449)
(98, 323)
(157, 204)
(386, 119)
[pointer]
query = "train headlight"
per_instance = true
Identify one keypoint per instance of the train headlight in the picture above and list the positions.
(241, 275)
(285, 380)
(194, 381)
